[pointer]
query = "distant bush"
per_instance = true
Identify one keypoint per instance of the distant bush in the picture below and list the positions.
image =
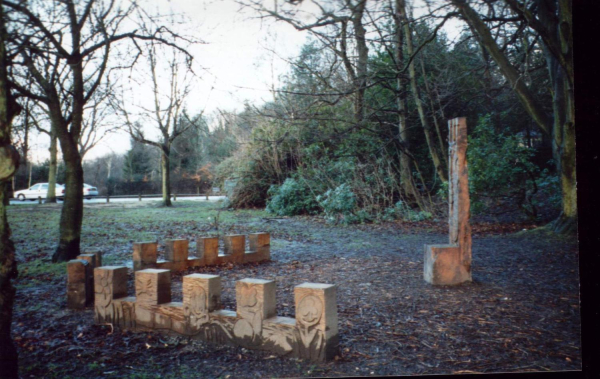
(401, 211)
(291, 198)
(501, 169)
(339, 204)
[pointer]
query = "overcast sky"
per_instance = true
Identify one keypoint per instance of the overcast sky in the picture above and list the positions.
(241, 59)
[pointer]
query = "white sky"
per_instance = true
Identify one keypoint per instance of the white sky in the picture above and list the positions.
(242, 60)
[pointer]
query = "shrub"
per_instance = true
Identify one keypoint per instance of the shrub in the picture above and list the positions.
(338, 204)
(293, 197)
(501, 169)
(403, 212)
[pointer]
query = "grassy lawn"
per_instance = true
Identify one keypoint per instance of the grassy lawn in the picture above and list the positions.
(114, 227)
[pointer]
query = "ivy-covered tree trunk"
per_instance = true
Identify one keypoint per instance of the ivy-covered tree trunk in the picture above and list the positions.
(166, 176)
(9, 162)
(52, 168)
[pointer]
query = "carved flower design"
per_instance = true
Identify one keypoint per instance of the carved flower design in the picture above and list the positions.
(249, 297)
(310, 310)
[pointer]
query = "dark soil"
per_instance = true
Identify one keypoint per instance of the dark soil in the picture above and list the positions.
(521, 312)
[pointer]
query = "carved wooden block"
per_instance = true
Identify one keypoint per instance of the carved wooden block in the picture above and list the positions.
(145, 255)
(110, 282)
(76, 271)
(170, 265)
(316, 317)
(90, 258)
(260, 247)
(89, 282)
(167, 316)
(201, 295)
(176, 250)
(263, 254)
(153, 286)
(258, 240)
(451, 264)
(235, 246)
(98, 255)
(313, 334)
(77, 287)
(442, 266)
(208, 249)
(255, 300)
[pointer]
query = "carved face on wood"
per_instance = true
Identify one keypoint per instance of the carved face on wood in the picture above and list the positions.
(310, 310)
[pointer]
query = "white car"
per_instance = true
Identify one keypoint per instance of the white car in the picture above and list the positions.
(39, 190)
(89, 191)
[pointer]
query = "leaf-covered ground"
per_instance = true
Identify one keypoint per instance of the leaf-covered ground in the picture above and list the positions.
(521, 313)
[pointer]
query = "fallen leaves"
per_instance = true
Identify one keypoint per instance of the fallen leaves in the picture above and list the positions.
(520, 313)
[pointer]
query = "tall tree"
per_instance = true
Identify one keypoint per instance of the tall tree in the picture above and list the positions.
(439, 161)
(66, 45)
(167, 114)
(406, 164)
(552, 21)
(9, 161)
(346, 31)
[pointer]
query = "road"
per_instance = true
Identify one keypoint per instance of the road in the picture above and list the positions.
(100, 200)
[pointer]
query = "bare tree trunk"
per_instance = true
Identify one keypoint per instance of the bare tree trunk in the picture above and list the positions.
(51, 196)
(166, 177)
(71, 216)
(9, 162)
(438, 130)
(563, 107)
(406, 177)
(363, 55)
(563, 148)
(8, 272)
(439, 162)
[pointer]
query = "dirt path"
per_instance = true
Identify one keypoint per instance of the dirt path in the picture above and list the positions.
(521, 313)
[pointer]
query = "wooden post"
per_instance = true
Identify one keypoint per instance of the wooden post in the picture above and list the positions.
(201, 295)
(235, 246)
(144, 255)
(451, 264)
(140, 197)
(207, 248)
(77, 284)
(107, 198)
(176, 250)
(92, 264)
(153, 286)
(255, 299)
(174, 197)
(260, 243)
(110, 283)
(39, 199)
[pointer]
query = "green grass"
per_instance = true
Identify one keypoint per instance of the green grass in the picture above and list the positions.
(38, 271)
(113, 228)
